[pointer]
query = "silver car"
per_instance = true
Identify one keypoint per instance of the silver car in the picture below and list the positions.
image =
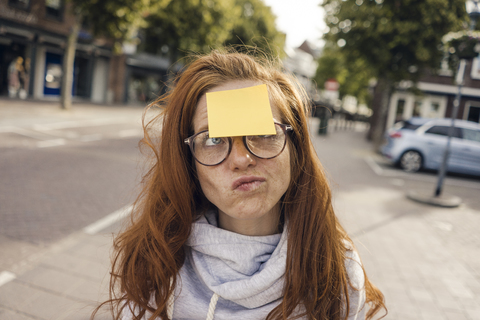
(420, 143)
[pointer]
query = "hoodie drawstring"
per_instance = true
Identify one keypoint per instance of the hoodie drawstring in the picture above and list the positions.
(211, 306)
(170, 302)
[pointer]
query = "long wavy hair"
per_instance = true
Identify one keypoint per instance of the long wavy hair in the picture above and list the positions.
(150, 252)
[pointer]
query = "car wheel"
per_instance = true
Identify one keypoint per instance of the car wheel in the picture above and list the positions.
(411, 161)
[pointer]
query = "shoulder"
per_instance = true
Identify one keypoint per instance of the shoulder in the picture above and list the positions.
(354, 268)
(356, 284)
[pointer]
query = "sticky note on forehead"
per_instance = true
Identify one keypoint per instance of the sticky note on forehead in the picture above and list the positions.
(240, 112)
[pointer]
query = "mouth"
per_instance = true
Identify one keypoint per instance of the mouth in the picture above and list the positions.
(247, 183)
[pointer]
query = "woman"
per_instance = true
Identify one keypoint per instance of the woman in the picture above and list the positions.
(246, 231)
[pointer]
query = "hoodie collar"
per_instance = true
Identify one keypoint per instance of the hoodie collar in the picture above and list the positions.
(248, 270)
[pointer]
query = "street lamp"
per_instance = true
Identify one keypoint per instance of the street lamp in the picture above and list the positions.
(473, 10)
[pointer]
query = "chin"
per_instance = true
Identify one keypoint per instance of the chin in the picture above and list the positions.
(250, 214)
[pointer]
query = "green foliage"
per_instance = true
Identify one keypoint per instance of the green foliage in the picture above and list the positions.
(117, 19)
(458, 45)
(396, 39)
(352, 75)
(186, 26)
(255, 27)
(331, 65)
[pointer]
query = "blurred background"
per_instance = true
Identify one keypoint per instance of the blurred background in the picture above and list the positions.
(385, 79)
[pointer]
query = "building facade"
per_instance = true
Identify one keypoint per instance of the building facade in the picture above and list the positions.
(438, 94)
(33, 35)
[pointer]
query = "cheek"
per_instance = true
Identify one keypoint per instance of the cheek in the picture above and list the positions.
(201, 174)
(283, 170)
(207, 179)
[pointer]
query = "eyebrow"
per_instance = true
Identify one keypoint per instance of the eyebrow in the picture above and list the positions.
(202, 128)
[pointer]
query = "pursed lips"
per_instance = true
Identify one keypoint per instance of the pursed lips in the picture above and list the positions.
(243, 181)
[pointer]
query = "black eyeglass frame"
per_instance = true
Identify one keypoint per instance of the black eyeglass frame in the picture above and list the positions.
(188, 141)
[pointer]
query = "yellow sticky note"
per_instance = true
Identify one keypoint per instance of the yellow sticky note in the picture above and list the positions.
(240, 112)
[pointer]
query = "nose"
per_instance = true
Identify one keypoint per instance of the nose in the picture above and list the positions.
(240, 157)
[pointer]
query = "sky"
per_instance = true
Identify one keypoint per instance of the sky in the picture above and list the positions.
(301, 20)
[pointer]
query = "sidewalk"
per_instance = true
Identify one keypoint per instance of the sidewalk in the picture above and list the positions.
(423, 258)
(28, 112)
(65, 282)
(68, 279)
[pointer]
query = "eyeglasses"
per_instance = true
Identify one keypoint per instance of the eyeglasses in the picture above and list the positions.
(212, 151)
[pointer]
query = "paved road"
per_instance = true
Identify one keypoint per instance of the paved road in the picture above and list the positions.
(61, 171)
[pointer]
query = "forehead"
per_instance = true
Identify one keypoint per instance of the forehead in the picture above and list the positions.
(200, 118)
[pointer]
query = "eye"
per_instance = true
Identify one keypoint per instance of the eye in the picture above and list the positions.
(213, 141)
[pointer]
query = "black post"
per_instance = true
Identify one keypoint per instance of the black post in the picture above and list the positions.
(456, 104)
(474, 14)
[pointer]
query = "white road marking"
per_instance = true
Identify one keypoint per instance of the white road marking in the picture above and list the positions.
(47, 136)
(374, 166)
(77, 124)
(445, 226)
(51, 143)
(23, 132)
(107, 221)
(6, 276)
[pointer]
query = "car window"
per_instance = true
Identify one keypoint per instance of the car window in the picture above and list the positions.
(443, 131)
(410, 126)
(405, 125)
(470, 134)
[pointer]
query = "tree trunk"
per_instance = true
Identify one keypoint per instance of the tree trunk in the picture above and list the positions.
(68, 65)
(380, 104)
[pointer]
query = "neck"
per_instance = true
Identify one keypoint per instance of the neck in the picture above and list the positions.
(265, 225)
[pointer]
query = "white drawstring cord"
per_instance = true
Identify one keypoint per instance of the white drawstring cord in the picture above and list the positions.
(170, 302)
(212, 306)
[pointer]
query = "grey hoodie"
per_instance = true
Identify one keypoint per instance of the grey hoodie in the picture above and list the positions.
(231, 276)
(245, 272)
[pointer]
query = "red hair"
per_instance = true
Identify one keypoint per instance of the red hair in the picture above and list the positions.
(150, 252)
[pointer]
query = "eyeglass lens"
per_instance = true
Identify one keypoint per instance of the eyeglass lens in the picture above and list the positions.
(212, 151)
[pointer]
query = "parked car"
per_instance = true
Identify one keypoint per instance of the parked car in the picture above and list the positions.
(419, 143)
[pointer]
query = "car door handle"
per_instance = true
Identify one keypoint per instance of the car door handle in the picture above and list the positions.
(466, 149)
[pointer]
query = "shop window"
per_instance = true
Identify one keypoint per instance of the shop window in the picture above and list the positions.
(434, 110)
(80, 77)
(54, 8)
(475, 73)
(53, 74)
(473, 114)
(144, 88)
(400, 109)
(417, 108)
(21, 4)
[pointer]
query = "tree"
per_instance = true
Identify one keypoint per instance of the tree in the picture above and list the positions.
(397, 40)
(187, 26)
(352, 76)
(255, 27)
(116, 19)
